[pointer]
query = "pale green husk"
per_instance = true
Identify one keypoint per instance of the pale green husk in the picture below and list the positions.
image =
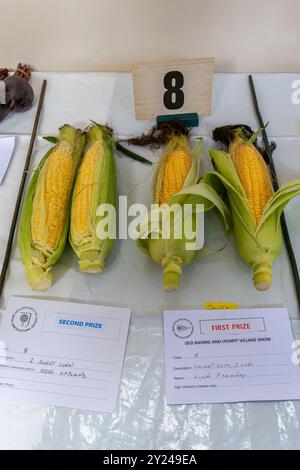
(91, 250)
(38, 260)
(171, 253)
(258, 245)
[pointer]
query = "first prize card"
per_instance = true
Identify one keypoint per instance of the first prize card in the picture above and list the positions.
(230, 356)
(62, 354)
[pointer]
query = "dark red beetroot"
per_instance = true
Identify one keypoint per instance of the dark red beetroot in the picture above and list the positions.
(4, 73)
(19, 93)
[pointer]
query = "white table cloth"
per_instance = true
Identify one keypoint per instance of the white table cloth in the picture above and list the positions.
(142, 419)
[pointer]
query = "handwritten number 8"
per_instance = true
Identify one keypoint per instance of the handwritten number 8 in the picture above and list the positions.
(174, 96)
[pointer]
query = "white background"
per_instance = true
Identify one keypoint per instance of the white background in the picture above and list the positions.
(97, 35)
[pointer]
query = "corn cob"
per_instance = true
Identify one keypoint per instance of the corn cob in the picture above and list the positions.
(174, 168)
(255, 209)
(95, 185)
(45, 216)
(84, 190)
(176, 184)
(254, 175)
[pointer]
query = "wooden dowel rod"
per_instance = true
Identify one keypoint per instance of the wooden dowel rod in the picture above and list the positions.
(285, 231)
(21, 189)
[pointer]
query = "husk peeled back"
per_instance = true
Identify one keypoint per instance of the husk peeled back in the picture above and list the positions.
(171, 253)
(258, 244)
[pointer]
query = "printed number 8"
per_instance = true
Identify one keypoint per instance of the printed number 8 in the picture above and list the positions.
(174, 96)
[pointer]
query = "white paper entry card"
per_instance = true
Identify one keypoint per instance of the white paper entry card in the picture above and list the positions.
(62, 354)
(230, 356)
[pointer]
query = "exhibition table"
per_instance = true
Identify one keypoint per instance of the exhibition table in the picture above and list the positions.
(142, 419)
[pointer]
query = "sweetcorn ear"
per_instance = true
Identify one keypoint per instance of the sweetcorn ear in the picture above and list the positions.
(95, 185)
(44, 221)
(176, 187)
(173, 169)
(254, 175)
(255, 208)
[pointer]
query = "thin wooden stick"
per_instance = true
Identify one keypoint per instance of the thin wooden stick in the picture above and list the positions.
(21, 189)
(285, 231)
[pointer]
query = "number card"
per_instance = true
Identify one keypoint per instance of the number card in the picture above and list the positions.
(175, 87)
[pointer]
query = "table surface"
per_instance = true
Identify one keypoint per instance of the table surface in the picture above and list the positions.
(142, 419)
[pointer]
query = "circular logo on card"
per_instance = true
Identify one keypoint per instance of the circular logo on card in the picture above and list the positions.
(24, 319)
(183, 328)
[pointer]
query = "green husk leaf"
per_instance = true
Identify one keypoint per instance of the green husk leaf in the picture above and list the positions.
(131, 154)
(52, 139)
(258, 245)
(193, 175)
(280, 199)
(202, 193)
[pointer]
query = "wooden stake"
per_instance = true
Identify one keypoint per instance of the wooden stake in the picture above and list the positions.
(21, 189)
(285, 231)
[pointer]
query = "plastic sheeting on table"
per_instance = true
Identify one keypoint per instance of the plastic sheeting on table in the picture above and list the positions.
(142, 290)
(142, 419)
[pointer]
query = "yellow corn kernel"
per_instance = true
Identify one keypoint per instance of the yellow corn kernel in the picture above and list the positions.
(176, 167)
(253, 174)
(51, 198)
(84, 190)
